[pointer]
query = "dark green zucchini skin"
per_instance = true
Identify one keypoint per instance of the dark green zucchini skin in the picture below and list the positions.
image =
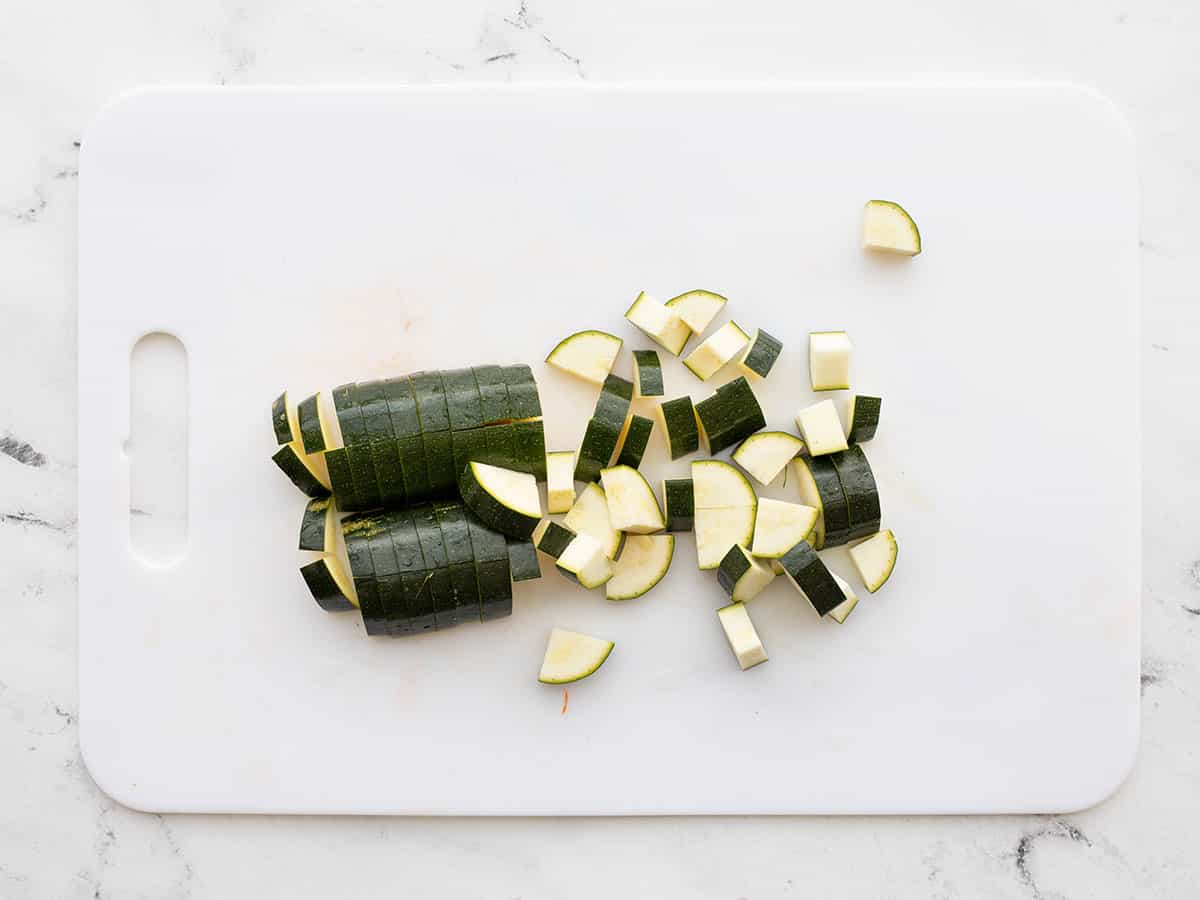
(859, 489)
(311, 435)
(604, 428)
(733, 566)
(649, 373)
(555, 539)
(523, 561)
(730, 415)
(279, 420)
(312, 525)
(865, 420)
(523, 400)
(529, 448)
(298, 473)
(324, 588)
(679, 419)
(637, 438)
(763, 353)
(493, 394)
(679, 504)
(462, 399)
(357, 444)
(833, 500)
(342, 479)
(808, 573)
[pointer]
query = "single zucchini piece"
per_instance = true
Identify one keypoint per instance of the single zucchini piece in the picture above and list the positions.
(723, 345)
(647, 373)
(586, 354)
(779, 526)
(314, 433)
(404, 411)
(529, 448)
(283, 420)
(410, 435)
(356, 532)
(433, 408)
(381, 442)
(888, 228)
(318, 525)
(552, 538)
(809, 576)
(462, 399)
(860, 491)
(491, 571)
(637, 438)
(718, 485)
(829, 360)
(632, 506)
(697, 309)
(504, 500)
(523, 561)
(842, 611)
(499, 446)
(597, 449)
(743, 640)
(523, 400)
(761, 355)
(821, 487)
(571, 656)
(383, 534)
(612, 406)
(357, 443)
(863, 416)
(305, 472)
(742, 576)
(875, 558)
(437, 450)
(643, 563)
(341, 480)
(730, 415)
(560, 481)
(821, 428)
(678, 504)
(678, 419)
(329, 585)
(590, 515)
(456, 537)
(469, 445)
(659, 323)
(766, 454)
(719, 529)
(584, 562)
(437, 564)
(493, 394)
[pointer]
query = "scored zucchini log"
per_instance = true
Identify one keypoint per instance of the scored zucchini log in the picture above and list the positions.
(809, 576)
(859, 489)
(829, 360)
(586, 354)
(875, 558)
(743, 640)
(742, 576)
(766, 454)
(863, 416)
(647, 373)
(318, 526)
(730, 415)
(761, 354)
(633, 445)
(329, 585)
(604, 429)
(643, 563)
(522, 561)
(571, 656)
(632, 506)
(779, 526)
(659, 323)
(842, 611)
(678, 418)
(710, 357)
(560, 481)
(584, 562)
(552, 538)
(679, 509)
(889, 228)
(821, 428)
(307, 473)
(589, 515)
(504, 500)
(697, 309)
(820, 487)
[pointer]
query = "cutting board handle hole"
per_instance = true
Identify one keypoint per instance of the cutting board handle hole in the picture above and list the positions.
(157, 449)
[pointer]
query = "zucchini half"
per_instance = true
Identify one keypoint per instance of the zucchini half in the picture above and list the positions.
(504, 500)
(809, 576)
(642, 564)
(678, 418)
(647, 373)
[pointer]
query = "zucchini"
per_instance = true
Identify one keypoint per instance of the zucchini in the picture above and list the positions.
(552, 538)
(718, 485)
(437, 565)
(584, 562)
(571, 656)
(643, 563)
(697, 309)
(863, 416)
(842, 611)
(432, 405)
(491, 571)
(305, 472)
(560, 481)
(523, 561)
(730, 415)
(381, 442)
(411, 437)
(875, 558)
(283, 420)
(632, 506)
(341, 480)
(761, 354)
(637, 437)
(314, 435)
(357, 444)
(328, 584)
(779, 526)
(586, 354)
(678, 419)
(468, 446)
(719, 529)
(504, 500)
(809, 576)
(766, 454)
(678, 504)
(355, 533)
(462, 399)
(456, 537)
(820, 487)
(318, 525)
(742, 576)
(384, 537)
(529, 448)
(887, 227)
(612, 406)
(659, 323)
(829, 360)
(743, 640)
(589, 515)
(437, 452)
(402, 407)
(821, 428)
(499, 446)
(523, 400)
(493, 394)
(711, 356)
(859, 489)
(647, 373)
(596, 450)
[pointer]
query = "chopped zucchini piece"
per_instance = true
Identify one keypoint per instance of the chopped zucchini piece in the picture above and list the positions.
(371, 592)
(462, 399)
(821, 428)
(678, 419)
(887, 227)
(643, 563)
(612, 406)
(587, 354)
(710, 357)
(329, 585)
(730, 415)
(523, 561)
(829, 360)
(697, 309)
(283, 420)
(493, 394)
(842, 611)
(779, 526)
(306, 472)
(632, 506)
(863, 416)
(809, 576)
(743, 639)
(357, 443)
(491, 571)
(637, 437)
(432, 405)
(341, 480)
(647, 373)
(742, 576)
(589, 515)
(766, 454)
(821, 487)
(523, 400)
(761, 354)
(552, 538)
(859, 489)
(504, 500)
(719, 529)
(529, 448)
(678, 504)
(659, 323)
(381, 443)
(560, 481)
(584, 561)
(314, 433)
(571, 656)
(596, 449)
(875, 558)
(437, 565)
(718, 485)
(318, 526)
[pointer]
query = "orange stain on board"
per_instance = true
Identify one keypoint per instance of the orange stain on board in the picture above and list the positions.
(566, 697)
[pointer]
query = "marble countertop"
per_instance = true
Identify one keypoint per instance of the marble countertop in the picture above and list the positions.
(61, 837)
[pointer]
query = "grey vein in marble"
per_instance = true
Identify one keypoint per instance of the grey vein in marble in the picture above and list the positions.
(21, 451)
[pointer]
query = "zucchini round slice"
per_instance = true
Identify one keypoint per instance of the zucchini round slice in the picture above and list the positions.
(860, 491)
(711, 356)
(318, 525)
(632, 506)
(887, 227)
(761, 355)
(766, 454)
(552, 538)
(842, 611)
(571, 656)
(718, 485)
(719, 529)
(678, 504)
(504, 500)
(523, 400)
(328, 584)
(590, 515)
(743, 640)
(523, 561)
(742, 576)
(283, 420)
(584, 562)
(697, 309)
(875, 558)
(863, 416)
(809, 576)
(647, 373)
(643, 563)
(779, 526)
(829, 360)
(821, 428)
(659, 323)
(678, 419)
(820, 487)
(730, 415)
(586, 354)
(306, 472)
(637, 438)
(560, 481)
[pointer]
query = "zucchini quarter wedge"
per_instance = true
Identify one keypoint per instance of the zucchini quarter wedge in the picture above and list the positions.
(585, 354)
(571, 656)
(887, 227)
(632, 506)
(875, 558)
(504, 500)
(697, 309)
(643, 563)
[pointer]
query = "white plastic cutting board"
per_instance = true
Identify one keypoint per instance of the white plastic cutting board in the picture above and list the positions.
(303, 238)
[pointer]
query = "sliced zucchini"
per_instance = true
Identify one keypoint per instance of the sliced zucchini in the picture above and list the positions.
(329, 585)
(468, 445)
(586, 354)
(318, 526)
(529, 447)
(381, 442)
(678, 504)
(612, 406)
(493, 394)
(643, 563)
(678, 418)
(283, 420)
(743, 639)
(437, 564)
(437, 451)
(560, 481)
(842, 611)
(552, 538)
(761, 355)
(523, 400)
(504, 500)
(314, 435)
(402, 407)
(718, 485)
(456, 537)
(306, 472)
(719, 529)
(462, 399)
(730, 415)
(429, 393)
(385, 538)
(372, 593)
(357, 443)
(491, 571)
(523, 561)
(632, 506)
(647, 373)
(887, 227)
(820, 487)
(860, 491)
(829, 360)
(596, 450)
(875, 558)
(637, 436)
(341, 480)
(863, 416)
(809, 576)
(697, 309)
(659, 323)
(766, 454)
(583, 561)
(499, 446)
(571, 656)
(411, 438)
(779, 526)
(821, 428)
(742, 576)
(589, 515)
(723, 345)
